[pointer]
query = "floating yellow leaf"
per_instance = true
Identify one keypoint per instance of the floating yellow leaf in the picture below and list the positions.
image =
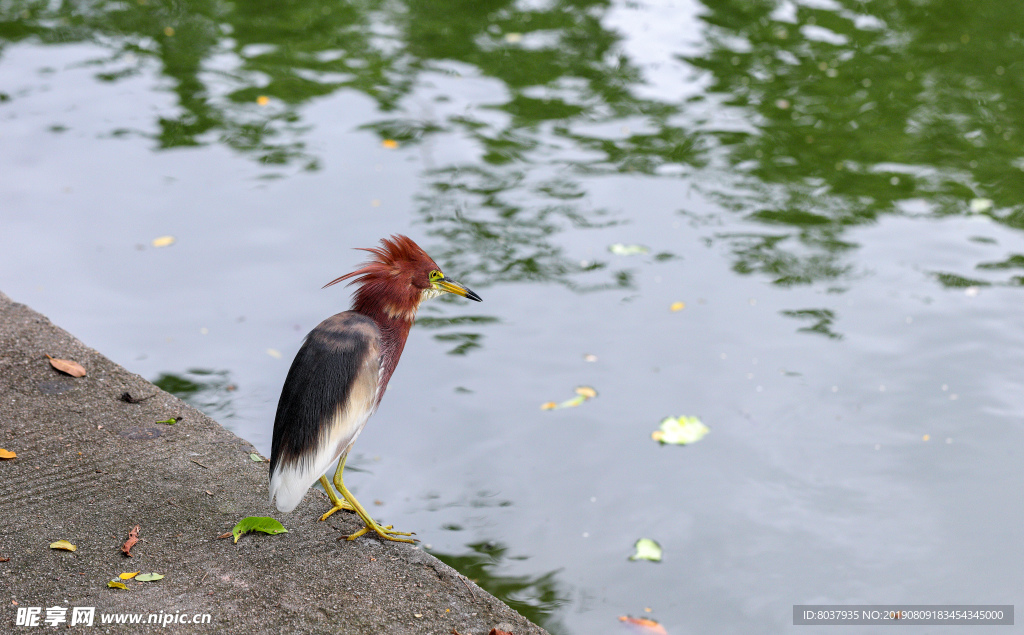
(628, 250)
(7, 454)
(583, 393)
(263, 100)
(129, 576)
(273, 352)
(646, 549)
(680, 430)
(169, 31)
(390, 144)
(163, 241)
(513, 38)
(677, 306)
(572, 403)
(644, 625)
(67, 366)
(586, 392)
(114, 584)
(63, 544)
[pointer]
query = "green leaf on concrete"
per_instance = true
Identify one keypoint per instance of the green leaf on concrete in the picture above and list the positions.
(170, 422)
(116, 584)
(647, 549)
(258, 523)
(148, 577)
(256, 457)
(680, 430)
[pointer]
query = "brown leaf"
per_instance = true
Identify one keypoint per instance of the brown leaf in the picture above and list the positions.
(133, 537)
(495, 631)
(66, 366)
(5, 559)
(226, 534)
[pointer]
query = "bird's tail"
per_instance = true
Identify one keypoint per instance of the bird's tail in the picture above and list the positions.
(290, 483)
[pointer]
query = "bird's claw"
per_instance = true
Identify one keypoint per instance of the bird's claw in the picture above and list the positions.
(343, 505)
(384, 531)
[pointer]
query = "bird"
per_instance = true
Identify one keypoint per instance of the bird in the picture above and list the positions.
(341, 371)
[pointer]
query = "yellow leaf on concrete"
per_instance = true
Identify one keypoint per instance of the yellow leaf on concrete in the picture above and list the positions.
(63, 544)
(129, 576)
(114, 584)
(7, 454)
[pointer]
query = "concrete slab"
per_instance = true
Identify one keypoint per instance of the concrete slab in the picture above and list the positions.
(90, 466)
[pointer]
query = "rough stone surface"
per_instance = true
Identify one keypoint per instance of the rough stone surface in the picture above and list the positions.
(90, 466)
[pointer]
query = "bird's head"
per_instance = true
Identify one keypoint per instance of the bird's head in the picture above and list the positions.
(397, 278)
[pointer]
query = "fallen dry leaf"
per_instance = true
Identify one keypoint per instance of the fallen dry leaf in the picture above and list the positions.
(114, 584)
(67, 366)
(5, 559)
(495, 631)
(63, 544)
(133, 537)
(226, 534)
(129, 576)
(7, 454)
(647, 626)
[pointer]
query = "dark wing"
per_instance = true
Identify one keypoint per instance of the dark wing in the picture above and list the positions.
(329, 394)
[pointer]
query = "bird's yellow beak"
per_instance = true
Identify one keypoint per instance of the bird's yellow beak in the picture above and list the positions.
(450, 286)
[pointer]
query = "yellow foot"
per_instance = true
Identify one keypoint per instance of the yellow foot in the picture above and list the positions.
(341, 505)
(384, 531)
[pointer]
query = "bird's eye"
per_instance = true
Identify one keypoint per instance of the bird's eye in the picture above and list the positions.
(435, 275)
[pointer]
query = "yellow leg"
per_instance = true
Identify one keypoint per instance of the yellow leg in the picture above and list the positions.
(336, 502)
(385, 532)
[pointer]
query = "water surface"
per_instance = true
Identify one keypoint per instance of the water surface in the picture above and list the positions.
(833, 189)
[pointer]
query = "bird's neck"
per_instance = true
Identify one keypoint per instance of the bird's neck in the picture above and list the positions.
(394, 329)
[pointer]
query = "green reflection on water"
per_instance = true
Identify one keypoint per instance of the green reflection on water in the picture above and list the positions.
(802, 121)
(210, 391)
(860, 110)
(537, 598)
